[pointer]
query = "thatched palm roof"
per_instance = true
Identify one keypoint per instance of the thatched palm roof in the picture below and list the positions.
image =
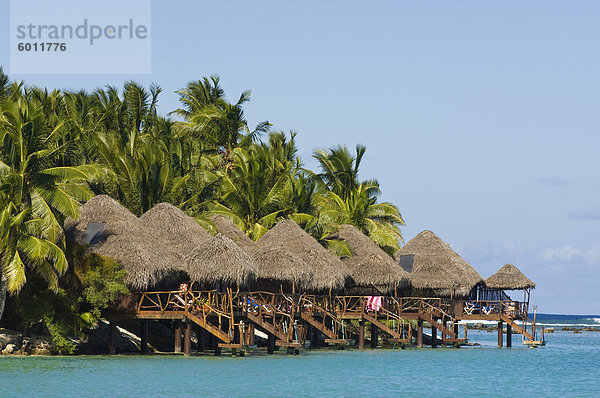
(428, 247)
(220, 260)
(433, 275)
(176, 228)
(369, 265)
(226, 227)
(329, 272)
(509, 277)
(125, 239)
(276, 263)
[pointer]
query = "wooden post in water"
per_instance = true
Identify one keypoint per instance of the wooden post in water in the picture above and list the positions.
(374, 335)
(361, 334)
(251, 332)
(445, 326)
(271, 343)
(420, 333)
(112, 338)
(201, 339)
(187, 338)
(433, 337)
(500, 327)
(508, 335)
(177, 341)
(144, 342)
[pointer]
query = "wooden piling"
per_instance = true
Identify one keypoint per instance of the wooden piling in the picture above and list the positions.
(374, 336)
(177, 342)
(433, 337)
(508, 335)
(500, 327)
(144, 342)
(201, 339)
(361, 334)
(187, 338)
(251, 332)
(420, 333)
(271, 343)
(112, 338)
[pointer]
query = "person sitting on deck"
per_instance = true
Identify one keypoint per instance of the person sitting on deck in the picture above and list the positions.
(179, 298)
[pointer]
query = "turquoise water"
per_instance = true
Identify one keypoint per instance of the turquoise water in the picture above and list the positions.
(568, 365)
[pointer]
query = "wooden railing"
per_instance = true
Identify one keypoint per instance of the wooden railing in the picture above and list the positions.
(514, 309)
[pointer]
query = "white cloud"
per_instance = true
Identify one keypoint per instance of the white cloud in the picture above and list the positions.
(565, 252)
(570, 254)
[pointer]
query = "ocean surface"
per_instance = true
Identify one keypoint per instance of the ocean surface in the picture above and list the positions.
(569, 365)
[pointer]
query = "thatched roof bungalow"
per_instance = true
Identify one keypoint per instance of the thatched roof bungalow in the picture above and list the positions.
(226, 227)
(110, 230)
(278, 269)
(509, 277)
(328, 271)
(427, 248)
(369, 265)
(219, 260)
(175, 228)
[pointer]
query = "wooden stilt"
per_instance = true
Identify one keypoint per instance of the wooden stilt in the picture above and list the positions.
(433, 337)
(201, 339)
(500, 326)
(251, 332)
(443, 335)
(361, 334)
(187, 338)
(508, 335)
(177, 342)
(420, 333)
(374, 336)
(455, 329)
(271, 343)
(144, 342)
(315, 341)
(112, 338)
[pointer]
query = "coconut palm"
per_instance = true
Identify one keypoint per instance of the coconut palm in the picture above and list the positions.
(222, 125)
(347, 200)
(36, 195)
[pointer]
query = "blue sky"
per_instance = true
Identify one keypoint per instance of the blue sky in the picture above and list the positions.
(480, 118)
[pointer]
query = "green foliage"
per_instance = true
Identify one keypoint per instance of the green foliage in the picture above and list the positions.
(102, 282)
(59, 148)
(58, 331)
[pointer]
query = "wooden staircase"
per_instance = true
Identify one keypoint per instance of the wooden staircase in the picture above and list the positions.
(396, 336)
(209, 327)
(519, 329)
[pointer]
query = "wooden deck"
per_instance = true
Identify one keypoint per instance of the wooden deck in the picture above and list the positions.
(231, 317)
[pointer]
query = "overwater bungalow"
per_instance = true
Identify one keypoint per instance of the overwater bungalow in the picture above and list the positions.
(287, 284)
(372, 271)
(107, 229)
(427, 248)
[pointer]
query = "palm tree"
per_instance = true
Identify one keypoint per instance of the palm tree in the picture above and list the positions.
(211, 118)
(347, 200)
(257, 189)
(35, 194)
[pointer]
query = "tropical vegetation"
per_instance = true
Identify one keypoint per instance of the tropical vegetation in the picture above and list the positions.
(59, 148)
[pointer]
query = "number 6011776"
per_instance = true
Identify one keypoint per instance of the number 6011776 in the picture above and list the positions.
(43, 46)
